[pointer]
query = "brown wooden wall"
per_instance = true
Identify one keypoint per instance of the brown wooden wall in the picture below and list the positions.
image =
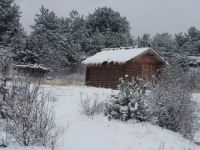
(107, 75)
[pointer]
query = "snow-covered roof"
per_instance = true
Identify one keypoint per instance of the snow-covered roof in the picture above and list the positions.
(33, 66)
(119, 55)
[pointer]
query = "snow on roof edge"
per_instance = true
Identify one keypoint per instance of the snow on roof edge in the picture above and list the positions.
(34, 66)
(120, 55)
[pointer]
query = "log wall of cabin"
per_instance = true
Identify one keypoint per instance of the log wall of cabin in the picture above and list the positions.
(105, 75)
(133, 69)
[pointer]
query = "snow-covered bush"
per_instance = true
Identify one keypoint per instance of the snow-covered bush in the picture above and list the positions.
(171, 103)
(90, 105)
(194, 78)
(5, 71)
(30, 114)
(128, 103)
(4, 136)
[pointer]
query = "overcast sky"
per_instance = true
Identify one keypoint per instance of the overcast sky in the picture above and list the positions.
(145, 16)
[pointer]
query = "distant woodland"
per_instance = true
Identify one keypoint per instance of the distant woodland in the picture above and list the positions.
(62, 42)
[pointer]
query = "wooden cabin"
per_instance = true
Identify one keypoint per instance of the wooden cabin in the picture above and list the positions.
(106, 67)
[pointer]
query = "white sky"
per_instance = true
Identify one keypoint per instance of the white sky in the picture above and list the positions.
(145, 16)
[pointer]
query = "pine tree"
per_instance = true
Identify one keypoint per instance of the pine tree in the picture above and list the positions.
(58, 41)
(164, 44)
(169, 49)
(78, 28)
(181, 39)
(96, 42)
(47, 38)
(9, 21)
(18, 45)
(192, 45)
(113, 29)
(128, 103)
(12, 34)
(144, 41)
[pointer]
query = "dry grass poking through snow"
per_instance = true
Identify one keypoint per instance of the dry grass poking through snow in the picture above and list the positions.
(72, 79)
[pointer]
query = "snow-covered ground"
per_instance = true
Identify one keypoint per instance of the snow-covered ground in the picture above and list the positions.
(196, 97)
(84, 133)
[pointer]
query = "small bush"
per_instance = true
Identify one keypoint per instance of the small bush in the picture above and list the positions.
(91, 105)
(128, 103)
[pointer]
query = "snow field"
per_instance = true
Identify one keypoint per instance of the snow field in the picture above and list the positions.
(99, 133)
(87, 133)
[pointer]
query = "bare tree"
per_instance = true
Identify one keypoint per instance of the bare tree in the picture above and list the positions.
(5, 69)
(31, 115)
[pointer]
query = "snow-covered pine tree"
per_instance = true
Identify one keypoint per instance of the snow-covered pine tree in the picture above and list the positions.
(9, 21)
(57, 40)
(128, 102)
(114, 30)
(165, 45)
(78, 31)
(169, 49)
(96, 42)
(18, 45)
(191, 45)
(46, 37)
(12, 34)
(181, 39)
(144, 41)
(26, 57)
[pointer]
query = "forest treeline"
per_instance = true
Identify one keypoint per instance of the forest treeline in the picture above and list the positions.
(59, 42)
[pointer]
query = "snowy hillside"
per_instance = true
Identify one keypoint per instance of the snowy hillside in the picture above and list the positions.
(98, 133)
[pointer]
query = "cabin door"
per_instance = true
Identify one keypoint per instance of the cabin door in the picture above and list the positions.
(147, 71)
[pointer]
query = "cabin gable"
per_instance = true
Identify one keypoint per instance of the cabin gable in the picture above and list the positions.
(144, 67)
